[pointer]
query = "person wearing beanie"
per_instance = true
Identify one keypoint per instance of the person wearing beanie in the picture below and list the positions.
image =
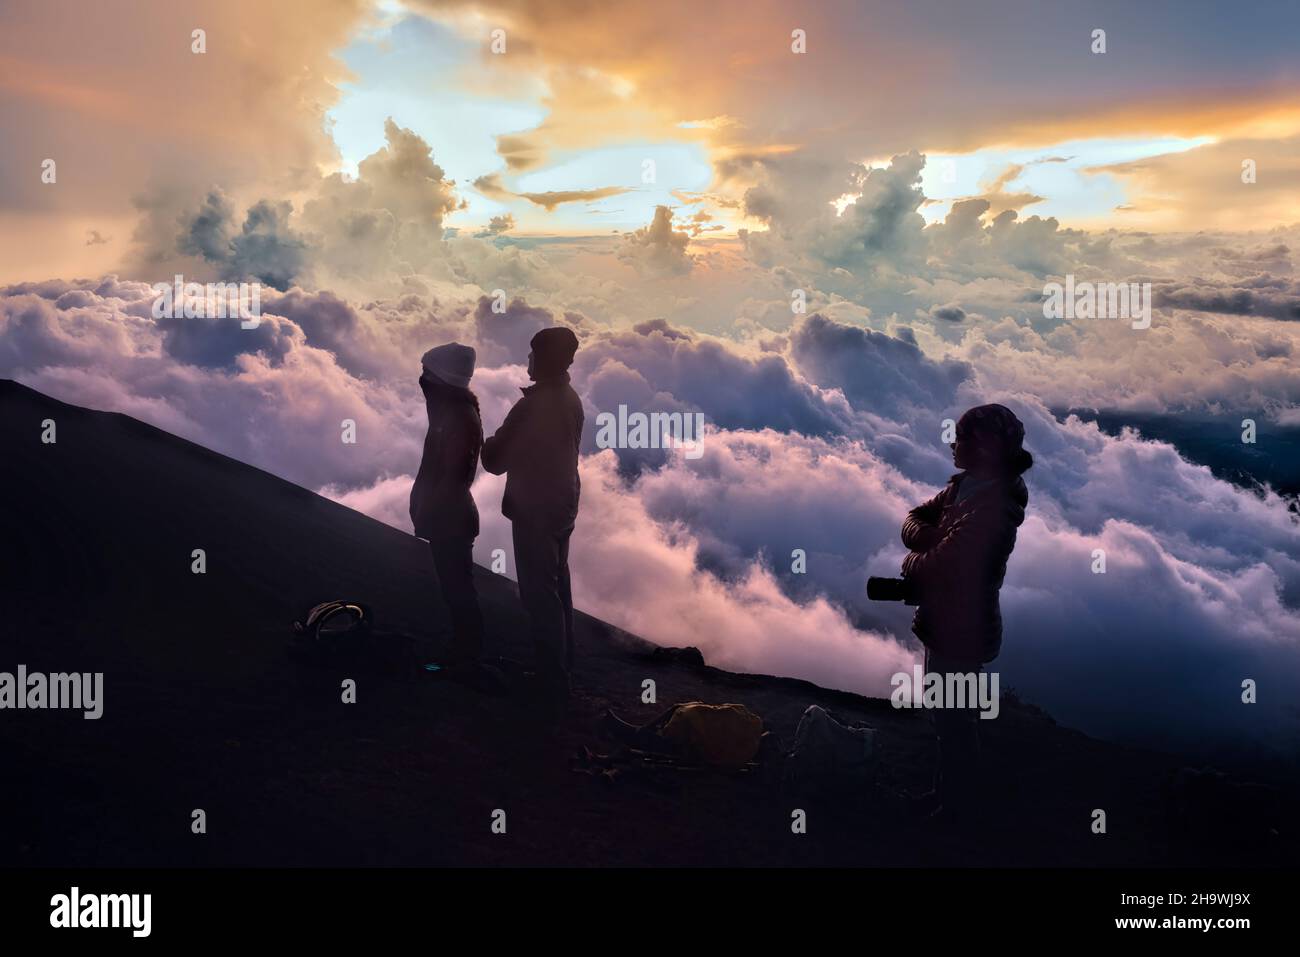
(442, 508)
(537, 450)
(959, 542)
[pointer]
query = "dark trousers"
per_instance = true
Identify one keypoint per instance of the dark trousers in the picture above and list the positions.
(542, 564)
(453, 560)
(958, 778)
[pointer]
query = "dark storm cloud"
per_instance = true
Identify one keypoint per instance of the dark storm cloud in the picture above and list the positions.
(876, 372)
(218, 343)
(1265, 296)
(733, 390)
(264, 248)
(504, 336)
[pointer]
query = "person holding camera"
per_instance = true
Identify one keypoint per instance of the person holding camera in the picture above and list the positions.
(959, 542)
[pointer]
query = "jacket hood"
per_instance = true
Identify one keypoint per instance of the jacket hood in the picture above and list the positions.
(436, 389)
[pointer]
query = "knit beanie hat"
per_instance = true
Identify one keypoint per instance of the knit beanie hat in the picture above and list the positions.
(997, 426)
(451, 363)
(553, 351)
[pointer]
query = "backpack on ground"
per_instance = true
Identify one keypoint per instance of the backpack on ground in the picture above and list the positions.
(334, 630)
(828, 751)
(719, 735)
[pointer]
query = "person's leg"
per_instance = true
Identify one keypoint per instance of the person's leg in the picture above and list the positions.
(537, 560)
(957, 780)
(566, 597)
(453, 559)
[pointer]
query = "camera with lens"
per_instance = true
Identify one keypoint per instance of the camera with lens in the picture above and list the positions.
(891, 589)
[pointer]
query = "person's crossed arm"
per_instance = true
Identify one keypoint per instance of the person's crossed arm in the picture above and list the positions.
(921, 530)
(960, 549)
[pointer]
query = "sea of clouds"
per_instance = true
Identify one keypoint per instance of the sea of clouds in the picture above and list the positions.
(824, 425)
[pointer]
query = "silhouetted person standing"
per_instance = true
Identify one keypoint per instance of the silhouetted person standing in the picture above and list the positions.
(442, 508)
(960, 541)
(537, 448)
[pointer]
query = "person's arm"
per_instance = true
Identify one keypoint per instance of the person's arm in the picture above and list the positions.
(426, 477)
(439, 472)
(963, 547)
(921, 529)
(430, 464)
(457, 454)
(499, 448)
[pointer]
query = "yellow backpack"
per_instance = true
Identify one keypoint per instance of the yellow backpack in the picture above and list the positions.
(723, 735)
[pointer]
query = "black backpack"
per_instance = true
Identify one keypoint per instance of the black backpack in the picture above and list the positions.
(344, 633)
(334, 626)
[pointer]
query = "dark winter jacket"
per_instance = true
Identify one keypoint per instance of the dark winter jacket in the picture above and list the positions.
(537, 449)
(441, 504)
(959, 552)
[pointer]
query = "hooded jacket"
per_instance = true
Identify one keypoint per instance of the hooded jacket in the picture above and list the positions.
(441, 504)
(959, 546)
(537, 449)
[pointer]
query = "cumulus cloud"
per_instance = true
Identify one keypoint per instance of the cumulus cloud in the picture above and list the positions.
(1215, 343)
(504, 336)
(264, 248)
(498, 225)
(820, 437)
(390, 216)
(658, 250)
(879, 225)
(949, 313)
(1274, 297)
(85, 89)
(657, 367)
(876, 372)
